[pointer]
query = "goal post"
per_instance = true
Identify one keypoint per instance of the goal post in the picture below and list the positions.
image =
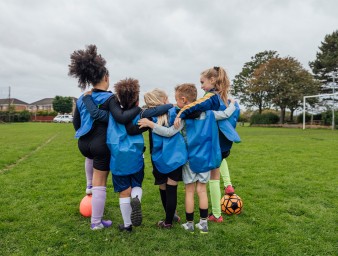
(315, 96)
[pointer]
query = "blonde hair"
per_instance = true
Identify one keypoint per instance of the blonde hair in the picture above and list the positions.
(156, 98)
(222, 84)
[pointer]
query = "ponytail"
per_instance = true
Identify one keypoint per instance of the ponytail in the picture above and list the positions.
(222, 82)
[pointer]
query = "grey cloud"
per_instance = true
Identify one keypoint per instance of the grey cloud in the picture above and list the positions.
(161, 43)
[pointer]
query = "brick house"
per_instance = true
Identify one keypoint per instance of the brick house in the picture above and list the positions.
(19, 105)
(45, 104)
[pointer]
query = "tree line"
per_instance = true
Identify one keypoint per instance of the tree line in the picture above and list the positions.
(270, 81)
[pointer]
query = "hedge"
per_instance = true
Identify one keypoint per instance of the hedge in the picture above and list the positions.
(265, 118)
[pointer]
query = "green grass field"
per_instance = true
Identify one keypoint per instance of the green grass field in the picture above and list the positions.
(287, 179)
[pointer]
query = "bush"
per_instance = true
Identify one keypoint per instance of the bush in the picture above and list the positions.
(245, 116)
(265, 118)
(327, 117)
(24, 116)
(242, 119)
(20, 116)
(307, 118)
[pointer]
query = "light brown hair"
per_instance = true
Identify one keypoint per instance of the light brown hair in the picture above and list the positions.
(187, 90)
(222, 82)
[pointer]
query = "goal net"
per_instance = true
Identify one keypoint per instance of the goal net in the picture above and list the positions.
(324, 101)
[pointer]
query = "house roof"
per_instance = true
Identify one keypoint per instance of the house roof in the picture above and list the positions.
(12, 101)
(45, 101)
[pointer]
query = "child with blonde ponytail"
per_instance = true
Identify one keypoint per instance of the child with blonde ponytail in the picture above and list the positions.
(216, 84)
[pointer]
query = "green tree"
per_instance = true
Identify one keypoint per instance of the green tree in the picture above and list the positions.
(63, 104)
(244, 88)
(326, 59)
(285, 82)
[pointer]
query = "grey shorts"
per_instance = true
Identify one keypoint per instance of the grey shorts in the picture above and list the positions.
(191, 177)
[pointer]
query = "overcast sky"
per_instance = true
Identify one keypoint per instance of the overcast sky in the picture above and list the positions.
(161, 43)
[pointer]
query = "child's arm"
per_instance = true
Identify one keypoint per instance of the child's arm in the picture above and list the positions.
(76, 119)
(133, 129)
(120, 115)
(220, 115)
(208, 102)
(156, 111)
(94, 111)
(158, 129)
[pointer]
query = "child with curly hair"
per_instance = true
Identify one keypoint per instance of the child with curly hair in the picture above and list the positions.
(126, 162)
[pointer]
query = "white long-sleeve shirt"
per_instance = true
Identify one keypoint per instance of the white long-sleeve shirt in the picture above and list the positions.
(171, 131)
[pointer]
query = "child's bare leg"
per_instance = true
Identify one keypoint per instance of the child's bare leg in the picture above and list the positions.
(201, 189)
(189, 197)
(189, 207)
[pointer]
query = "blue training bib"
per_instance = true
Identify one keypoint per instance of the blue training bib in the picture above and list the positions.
(204, 153)
(86, 120)
(126, 151)
(169, 153)
(227, 126)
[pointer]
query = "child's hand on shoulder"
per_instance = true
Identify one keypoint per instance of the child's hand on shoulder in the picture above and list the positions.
(145, 122)
(232, 100)
(177, 122)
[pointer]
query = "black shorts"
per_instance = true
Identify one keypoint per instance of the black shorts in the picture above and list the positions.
(122, 183)
(161, 178)
(225, 154)
(94, 146)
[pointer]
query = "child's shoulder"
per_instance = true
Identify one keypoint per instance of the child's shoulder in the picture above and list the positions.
(210, 94)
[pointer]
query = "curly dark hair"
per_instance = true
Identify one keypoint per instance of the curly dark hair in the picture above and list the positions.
(127, 91)
(87, 66)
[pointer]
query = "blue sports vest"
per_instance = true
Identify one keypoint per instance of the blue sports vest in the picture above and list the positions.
(204, 153)
(228, 134)
(126, 151)
(86, 120)
(169, 153)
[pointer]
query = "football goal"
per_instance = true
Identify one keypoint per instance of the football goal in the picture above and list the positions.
(333, 95)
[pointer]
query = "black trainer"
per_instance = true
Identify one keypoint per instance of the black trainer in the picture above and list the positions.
(126, 229)
(136, 211)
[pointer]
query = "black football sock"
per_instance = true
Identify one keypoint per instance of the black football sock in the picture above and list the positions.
(171, 203)
(189, 216)
(204, 213)
(163, 194)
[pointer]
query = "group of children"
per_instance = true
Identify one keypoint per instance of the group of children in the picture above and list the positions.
(189, 142)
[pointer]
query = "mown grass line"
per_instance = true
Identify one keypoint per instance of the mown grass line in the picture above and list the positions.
(10, 166)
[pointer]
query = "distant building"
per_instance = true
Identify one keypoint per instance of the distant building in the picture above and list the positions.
(18, 105)
(45, 104)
